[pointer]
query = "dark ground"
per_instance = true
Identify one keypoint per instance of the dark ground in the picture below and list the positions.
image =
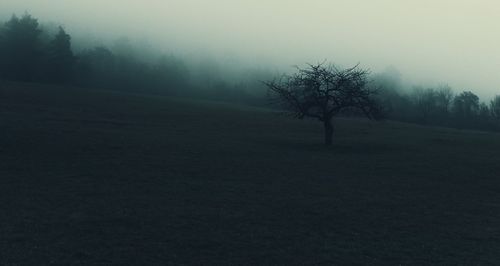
(104, 178)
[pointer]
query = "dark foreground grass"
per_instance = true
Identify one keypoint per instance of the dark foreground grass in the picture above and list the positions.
(103, 178)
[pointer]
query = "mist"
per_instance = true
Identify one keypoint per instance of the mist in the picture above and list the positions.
(429, 42)
(249, 132)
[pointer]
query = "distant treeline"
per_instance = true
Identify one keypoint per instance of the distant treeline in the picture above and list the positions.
(439, 105)
(31, 53)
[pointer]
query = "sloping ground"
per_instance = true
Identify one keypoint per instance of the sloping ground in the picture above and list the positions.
(106, 178)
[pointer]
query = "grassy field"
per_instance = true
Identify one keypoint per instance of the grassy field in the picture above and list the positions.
(99, 178)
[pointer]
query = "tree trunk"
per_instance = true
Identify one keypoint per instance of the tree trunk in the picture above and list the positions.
(328, 132)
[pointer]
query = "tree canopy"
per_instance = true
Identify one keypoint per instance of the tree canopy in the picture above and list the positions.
(323, 91)
(60, 59)
(21, 48)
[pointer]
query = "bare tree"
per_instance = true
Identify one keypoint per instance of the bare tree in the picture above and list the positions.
(444, 98)
(424, 101)
(466, 105)
(323, 91)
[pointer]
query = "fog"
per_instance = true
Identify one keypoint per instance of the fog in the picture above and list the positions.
(430, 42)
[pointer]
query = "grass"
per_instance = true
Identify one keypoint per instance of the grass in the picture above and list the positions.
(99, 178)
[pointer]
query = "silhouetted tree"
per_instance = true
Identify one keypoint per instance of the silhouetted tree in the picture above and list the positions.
(444, 98)
(21, 48)
(323, 91)
(131, 75)
(389, 84)
(466, 105)
(95, 67)
(60, 58)
(484, 111)
(425, 102)
(495, 107)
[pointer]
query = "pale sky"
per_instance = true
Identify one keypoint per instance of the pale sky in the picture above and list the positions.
(429, 41)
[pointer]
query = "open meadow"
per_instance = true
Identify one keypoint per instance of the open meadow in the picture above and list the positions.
(96, 177)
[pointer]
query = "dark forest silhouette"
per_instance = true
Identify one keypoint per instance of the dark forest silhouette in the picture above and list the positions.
(29, 53)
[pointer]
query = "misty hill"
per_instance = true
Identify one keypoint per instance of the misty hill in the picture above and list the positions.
(101, 177)
(31, 51)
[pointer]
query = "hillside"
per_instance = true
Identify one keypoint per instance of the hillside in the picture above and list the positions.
(95, 177)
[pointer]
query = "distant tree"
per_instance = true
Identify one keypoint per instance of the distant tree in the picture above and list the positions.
(484, 111)
(444, 98)
(466, 105)
(425, 101)
(495, 107)
(388, 80)
(60, 58)
(390, 86)
(323, 91)
(131, 74)
(96, 67)
(100, 67)
(22, 49)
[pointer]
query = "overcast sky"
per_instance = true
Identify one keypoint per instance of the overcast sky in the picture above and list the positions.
(429, 41)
